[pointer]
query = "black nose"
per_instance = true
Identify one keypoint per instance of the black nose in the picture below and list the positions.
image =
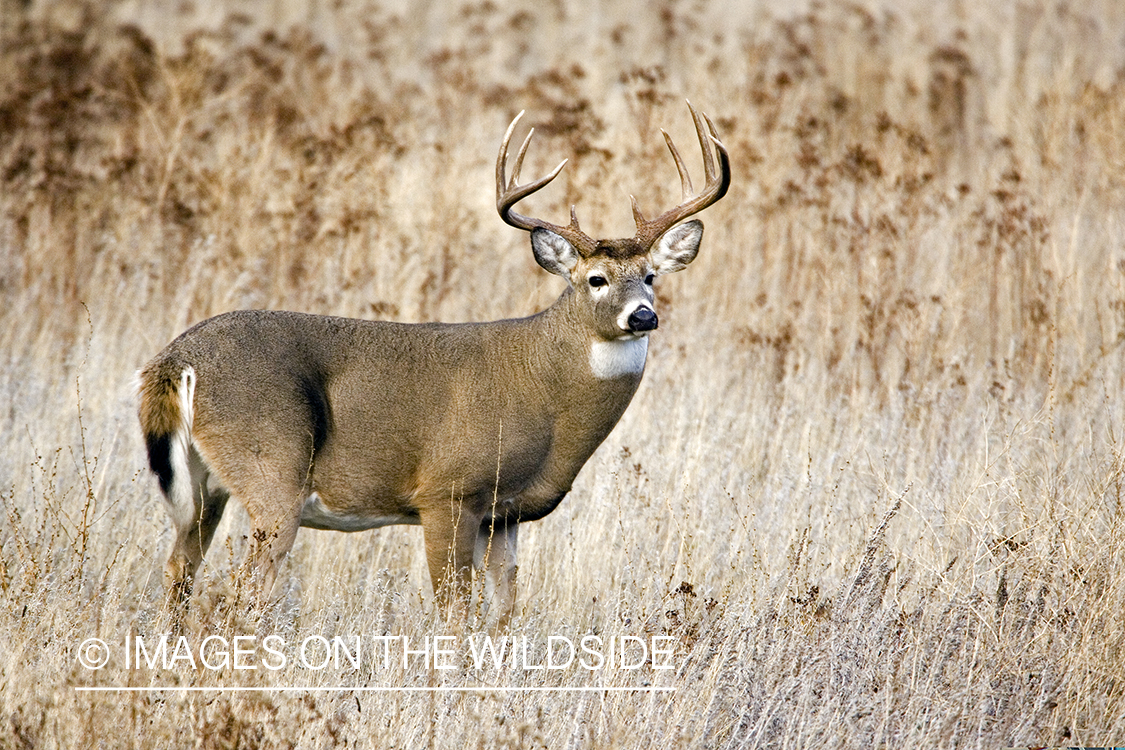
(642, 319)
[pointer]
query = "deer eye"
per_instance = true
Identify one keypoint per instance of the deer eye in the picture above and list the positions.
(649, 279)
(597, 281)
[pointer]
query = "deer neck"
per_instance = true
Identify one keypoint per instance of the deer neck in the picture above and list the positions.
(572, 346)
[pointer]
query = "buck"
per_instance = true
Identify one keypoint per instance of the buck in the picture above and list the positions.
(467, 429)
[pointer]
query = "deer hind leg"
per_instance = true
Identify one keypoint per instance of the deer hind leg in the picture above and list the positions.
(269, 475)
(195, 523)
(270, 542)
(274, 510)
(495, 554)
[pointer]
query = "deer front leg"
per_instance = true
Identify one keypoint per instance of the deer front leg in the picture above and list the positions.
(451, 534)
(496, 555)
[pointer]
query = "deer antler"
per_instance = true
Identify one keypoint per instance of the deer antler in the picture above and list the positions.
(509, 193)
(716, 187)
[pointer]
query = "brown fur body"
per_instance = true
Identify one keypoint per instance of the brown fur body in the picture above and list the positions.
(467, 429)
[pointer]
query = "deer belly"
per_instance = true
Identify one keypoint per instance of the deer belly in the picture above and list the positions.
(316, 515)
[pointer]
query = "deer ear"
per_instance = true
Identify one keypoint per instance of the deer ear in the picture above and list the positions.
(677, 247)
(553, 252)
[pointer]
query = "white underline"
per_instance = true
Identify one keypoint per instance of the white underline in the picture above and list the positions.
(349, 689)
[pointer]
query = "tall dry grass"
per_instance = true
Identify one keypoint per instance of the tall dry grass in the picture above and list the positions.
(872, 482)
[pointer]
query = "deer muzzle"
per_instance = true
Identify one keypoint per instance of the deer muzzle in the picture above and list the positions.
(642, 319)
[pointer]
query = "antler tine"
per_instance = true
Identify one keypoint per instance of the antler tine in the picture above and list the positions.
(638, 217)
(685, 178)
(704, 130)
(509, 189)
(519, 157)
(510, 192)
(501, 160)
(718, 181)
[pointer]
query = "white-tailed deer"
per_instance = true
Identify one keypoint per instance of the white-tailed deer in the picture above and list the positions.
(466, 429)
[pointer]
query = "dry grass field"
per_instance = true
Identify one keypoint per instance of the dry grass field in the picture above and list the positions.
(872, 483)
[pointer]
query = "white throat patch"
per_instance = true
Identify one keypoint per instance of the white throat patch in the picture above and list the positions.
(609, 359)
